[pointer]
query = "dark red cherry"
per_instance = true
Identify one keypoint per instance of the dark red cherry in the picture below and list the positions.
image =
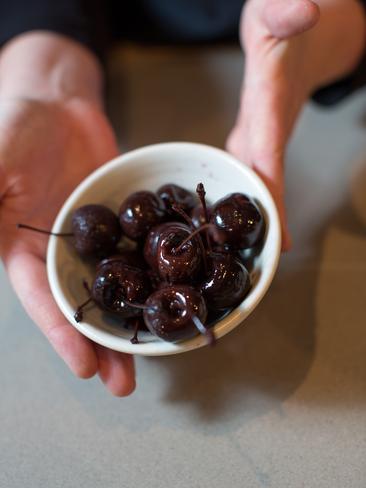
(175, 312)
(227, 282)
(151, 244)
(116, 285)
(95, 231)
(174, 263)
(239, 221)
(139, 212)
(176, 195)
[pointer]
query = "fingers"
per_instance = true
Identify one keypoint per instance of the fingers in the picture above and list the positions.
(28, 276)
(117, 371)
(272, 176)
(27, 273)
(285, 18)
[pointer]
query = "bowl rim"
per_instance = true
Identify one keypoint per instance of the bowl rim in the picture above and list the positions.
(159, 347)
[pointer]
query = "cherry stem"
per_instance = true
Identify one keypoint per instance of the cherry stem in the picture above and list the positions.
(43, 231)
(134, 339)
(78, 315)
(136, 305)
(186, 217)
(195, 232)
(200, 190)
(139, 306)
(211, 339)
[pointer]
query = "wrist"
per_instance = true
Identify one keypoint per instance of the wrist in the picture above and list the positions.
(47, 66)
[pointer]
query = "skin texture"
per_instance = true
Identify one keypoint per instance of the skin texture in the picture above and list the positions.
(51, 90)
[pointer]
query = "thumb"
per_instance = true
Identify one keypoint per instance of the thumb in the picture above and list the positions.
(270, 169)
(284, 18)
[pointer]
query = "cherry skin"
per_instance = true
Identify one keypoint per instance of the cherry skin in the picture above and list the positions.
(171, 312)
(173, 194)
(117, 284)
(172, 262)
(96, 230)
(239, 221)
(227, 282)
(139, 212)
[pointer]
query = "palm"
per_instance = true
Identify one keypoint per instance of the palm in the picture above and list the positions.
(45, 151)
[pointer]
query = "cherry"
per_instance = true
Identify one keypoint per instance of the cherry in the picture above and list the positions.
(227, 281)
(176, 195)
(95, 230)
(139, 212)
(175, 313)
(173, 261)
(196, 232)
(119, 288)
(238, 220)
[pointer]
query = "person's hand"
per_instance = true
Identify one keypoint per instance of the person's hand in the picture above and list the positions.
(291, 49)
(274, 89)
(46, 148)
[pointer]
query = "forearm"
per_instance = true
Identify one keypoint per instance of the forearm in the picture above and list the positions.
(47, 66)
(334, 47)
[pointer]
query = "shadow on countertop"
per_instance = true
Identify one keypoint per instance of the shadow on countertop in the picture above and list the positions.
(262, 363)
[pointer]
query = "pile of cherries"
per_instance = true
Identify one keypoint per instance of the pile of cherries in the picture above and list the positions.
(188, 264)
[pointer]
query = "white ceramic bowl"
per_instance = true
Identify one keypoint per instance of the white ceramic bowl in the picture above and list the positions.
(148, 168)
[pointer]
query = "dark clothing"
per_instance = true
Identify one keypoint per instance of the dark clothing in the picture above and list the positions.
(97, 23)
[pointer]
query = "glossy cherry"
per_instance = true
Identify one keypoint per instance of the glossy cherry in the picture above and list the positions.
(95, 231)
(173, 262)
(227, 282)
(139, 212)
(117, 287)
(239, 221)
(175, 313)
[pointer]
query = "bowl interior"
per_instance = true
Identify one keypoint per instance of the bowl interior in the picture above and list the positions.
(148, 168)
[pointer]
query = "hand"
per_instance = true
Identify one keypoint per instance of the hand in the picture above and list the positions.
(276, 85)
(46, 149)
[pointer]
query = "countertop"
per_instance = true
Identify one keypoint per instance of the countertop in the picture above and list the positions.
(281, 401)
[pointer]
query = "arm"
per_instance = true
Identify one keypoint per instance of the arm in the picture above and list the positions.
(291, 48)
(53, 134)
